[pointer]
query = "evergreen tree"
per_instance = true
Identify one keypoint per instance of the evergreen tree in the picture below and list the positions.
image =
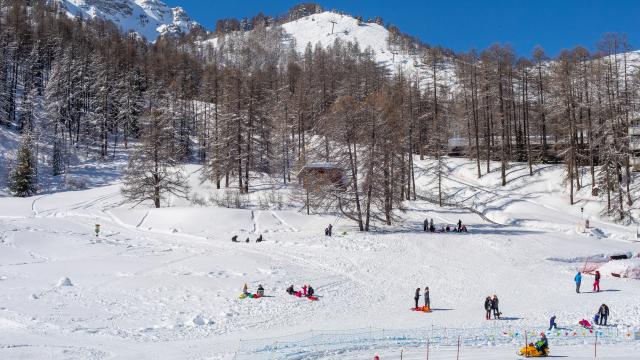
(23, 180)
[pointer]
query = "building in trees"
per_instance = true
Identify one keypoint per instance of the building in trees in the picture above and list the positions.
(634, 144)
(317, 175)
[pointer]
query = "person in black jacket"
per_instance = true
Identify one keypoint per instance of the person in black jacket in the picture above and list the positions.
(604, 314)
(310, 291)
(494, 307)
(417, 297)
(235, 238)
(487, 308)
(427, 301)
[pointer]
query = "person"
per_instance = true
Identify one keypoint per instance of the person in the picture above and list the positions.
(417, 297)
(330, 228)
(376, 357)
(542, 345)
(578, 280)
(432, 227)
(326, 231)
(596, 282)
(596, 318)
(604, 314)
(464, 228)
(235, 238)
(552, 323)
(487, 308)
(290, 290)
(447, 229)
(260, 291)
(97, 230)
(427, 301)
(245, 289)
(459, 225)
(310, 291)
(247, 240)
(259, 239)
(585, 323)
(425, 225)
(304, 290)
(494, 307)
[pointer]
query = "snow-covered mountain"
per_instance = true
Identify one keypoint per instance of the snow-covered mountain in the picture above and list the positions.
(326, 27)
(148, 18)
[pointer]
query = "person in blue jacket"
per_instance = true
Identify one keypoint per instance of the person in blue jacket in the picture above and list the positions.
(552, 323)
(578, 280)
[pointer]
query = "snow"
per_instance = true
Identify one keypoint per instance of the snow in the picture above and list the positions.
(316, 29)
(164, 283)
(148, 18)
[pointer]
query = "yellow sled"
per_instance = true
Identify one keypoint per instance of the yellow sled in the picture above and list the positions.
(531, 351)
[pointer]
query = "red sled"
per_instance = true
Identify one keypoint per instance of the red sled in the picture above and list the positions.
(312, 298)
(298, 294)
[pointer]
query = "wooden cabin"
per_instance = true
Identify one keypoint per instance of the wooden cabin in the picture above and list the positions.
(315, 175)
(634, 144)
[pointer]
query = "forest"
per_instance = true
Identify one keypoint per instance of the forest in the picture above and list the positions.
(249, 103)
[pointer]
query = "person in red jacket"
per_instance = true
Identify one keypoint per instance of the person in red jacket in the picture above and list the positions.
(596, 282)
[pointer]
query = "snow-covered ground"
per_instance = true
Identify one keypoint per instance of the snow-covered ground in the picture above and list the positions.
(164, 283)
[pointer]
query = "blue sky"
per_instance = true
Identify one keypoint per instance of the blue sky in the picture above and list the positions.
(465, 24)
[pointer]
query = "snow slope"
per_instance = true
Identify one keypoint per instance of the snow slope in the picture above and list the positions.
(164, 283)
(148, 18)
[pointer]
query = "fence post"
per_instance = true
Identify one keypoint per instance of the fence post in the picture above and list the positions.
(401, 350)
(595, 347)
(458, 354)
(526, 345)
(427, 348)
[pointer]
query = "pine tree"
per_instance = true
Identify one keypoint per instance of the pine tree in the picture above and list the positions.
(154, 168)
(23, 180)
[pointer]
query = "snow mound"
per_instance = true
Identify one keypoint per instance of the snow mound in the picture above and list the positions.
(200, 320)
(65, 281)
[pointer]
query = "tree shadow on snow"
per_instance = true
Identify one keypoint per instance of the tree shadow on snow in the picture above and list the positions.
(510, 318)
(438, 309)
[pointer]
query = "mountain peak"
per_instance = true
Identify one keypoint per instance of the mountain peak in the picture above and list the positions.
(148, 18)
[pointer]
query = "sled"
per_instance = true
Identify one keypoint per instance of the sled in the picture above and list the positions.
(243, 296)
(422, 309)
(531, 351)
(298, 294)
(313, 298)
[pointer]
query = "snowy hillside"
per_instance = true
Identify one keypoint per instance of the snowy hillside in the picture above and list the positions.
(317, 29)
(164, 283)
(148, 18)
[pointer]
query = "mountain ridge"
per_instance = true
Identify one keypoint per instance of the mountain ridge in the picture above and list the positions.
(148, 18)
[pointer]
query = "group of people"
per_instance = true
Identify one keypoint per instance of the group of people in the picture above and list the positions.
(491, 305)
(259, 290)
(427, 300)
(235, 239)
(307, 291)
(596, 281)
(429, 226)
